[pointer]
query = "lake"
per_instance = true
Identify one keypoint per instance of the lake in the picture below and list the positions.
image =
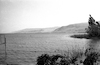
(24, 48)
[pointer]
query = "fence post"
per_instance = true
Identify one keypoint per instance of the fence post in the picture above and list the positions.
(5, 50)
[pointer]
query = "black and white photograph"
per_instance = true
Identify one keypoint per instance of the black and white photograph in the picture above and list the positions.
(49, 32)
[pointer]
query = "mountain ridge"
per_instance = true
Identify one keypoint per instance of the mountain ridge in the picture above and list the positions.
(37, 30)
(72, 28)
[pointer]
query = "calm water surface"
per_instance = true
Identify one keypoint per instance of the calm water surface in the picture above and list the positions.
(25, 48)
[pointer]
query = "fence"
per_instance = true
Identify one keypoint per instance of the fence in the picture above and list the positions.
(3, 52)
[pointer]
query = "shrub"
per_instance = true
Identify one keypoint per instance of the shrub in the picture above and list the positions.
(74, 57)
(91, 57)
(44, 59)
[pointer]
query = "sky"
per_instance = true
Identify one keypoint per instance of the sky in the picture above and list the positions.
(20, 14)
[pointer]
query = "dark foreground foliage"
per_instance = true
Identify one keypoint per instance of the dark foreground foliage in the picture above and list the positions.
(89, 57)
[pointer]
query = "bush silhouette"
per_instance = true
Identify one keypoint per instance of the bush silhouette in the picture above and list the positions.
(54, 58)
(58, 59)
(44, 59)
(91, 57)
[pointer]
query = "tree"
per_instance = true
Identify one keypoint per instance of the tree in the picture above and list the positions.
(94, 27)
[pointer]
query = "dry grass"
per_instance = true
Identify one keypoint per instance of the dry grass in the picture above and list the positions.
(89, 57)
(70, 57)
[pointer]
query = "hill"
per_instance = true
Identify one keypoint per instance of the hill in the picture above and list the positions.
(73, 28)
(37, 30)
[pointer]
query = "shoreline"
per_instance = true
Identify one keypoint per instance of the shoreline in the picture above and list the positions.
(83, 36)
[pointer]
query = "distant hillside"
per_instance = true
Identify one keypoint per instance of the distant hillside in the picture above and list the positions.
(37, 30)
(73, 28)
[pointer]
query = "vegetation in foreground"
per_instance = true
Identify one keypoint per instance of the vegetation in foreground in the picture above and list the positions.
(89, 57)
